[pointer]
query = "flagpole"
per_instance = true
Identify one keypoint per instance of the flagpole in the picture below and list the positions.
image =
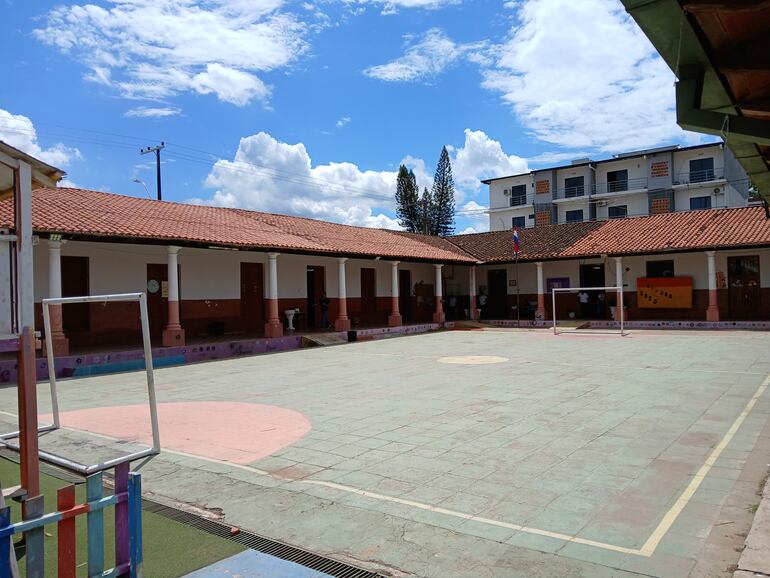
(518, 307)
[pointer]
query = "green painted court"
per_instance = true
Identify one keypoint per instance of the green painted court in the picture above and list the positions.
(460, 453)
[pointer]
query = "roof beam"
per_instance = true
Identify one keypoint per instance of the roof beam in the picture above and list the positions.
(690, 116)
(697, 6)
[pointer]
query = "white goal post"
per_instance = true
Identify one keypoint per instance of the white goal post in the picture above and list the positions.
(87, 469)
(620, 304)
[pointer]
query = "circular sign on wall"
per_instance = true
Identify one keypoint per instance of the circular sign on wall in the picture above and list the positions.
(153, 286)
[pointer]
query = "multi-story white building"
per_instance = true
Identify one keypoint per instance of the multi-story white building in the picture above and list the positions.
(632, 184)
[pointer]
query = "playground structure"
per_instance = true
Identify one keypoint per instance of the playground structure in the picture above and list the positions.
(19, 173)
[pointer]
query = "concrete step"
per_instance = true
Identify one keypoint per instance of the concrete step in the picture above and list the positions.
(322, 339)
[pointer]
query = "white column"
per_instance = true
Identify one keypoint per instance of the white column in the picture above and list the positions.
(712, 313)
(619, 285)
(60, 342)
(173, 274)
(54, 269)
(395, 319)
(173, 333)
(272, 276)
(540, 313)
(273, 325)
(474, 312)
(342, 323)
(438, 314)
(25, 290)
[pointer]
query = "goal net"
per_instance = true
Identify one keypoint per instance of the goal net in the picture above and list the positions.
(586, 304)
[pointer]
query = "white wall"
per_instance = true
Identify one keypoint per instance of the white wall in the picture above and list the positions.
(637, 204)
(496, 197)
(682, 158)
(636, 167)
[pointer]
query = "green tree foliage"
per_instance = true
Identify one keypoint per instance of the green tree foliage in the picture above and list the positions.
(407, 201)
(443, 197)
(427, 213)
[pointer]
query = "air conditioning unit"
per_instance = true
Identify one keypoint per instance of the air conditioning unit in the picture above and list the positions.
(507, 192)
(719, 191)
(602, 203)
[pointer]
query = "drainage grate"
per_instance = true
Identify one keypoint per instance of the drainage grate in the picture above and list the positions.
(260, 543)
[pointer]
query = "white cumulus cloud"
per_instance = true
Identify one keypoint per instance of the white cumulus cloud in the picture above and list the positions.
(269, 175)
(152, 112)
(18, 131)
(425, 57)
(159, 48)
(582, 75)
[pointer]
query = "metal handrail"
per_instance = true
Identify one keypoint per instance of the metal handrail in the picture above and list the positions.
(620, 186)
(699, 176)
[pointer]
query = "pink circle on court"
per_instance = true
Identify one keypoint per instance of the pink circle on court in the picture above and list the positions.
(234, 432)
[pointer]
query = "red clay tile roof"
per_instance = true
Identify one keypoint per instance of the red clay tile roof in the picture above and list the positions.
(94, 214)
(545, 242)
(708, 229)
(690, 230)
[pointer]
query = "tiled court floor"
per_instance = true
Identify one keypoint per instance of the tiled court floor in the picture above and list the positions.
(484, 453)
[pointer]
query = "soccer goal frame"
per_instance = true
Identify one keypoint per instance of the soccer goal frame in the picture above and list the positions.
(67, 463)
(618, 290)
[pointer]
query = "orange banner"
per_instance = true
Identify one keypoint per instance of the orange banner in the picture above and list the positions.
(664, 292)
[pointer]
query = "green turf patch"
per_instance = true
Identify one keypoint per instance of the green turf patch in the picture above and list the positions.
(170, 549)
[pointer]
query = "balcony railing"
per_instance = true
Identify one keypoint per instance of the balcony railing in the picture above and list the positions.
(700, 176)
(620, 186)
(518, 200)
(570, 192)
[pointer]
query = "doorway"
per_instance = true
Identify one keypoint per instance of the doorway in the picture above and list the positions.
(252, 297)
(405, 295)
(76, 317)
(593, 276)
(497, 303)
(743, 286)
(368, 291)
(316, 285)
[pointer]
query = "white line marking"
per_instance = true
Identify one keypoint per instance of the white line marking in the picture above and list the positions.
(668, 520)
(647, 550)
(464, 516)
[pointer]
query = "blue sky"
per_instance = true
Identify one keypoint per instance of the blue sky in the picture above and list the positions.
(309, 107)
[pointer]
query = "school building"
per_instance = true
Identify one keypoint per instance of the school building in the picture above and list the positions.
(211, 271)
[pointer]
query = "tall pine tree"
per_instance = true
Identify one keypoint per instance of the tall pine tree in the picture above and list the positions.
(407, 201)
(427, 213)
(443, 197)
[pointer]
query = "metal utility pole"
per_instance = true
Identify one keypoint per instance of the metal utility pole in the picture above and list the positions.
(156, 150)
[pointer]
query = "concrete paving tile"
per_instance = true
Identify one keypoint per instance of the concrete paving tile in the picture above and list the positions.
(535, 542)
(486, 531)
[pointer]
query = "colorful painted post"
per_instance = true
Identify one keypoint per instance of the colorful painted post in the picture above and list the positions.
(135, 523)
(67, 539)
(122, 550)
(95, 524)
(5, 542)
(35, 539)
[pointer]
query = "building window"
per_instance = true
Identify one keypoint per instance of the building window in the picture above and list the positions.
(697, 203)
(518, 223)
(618, 212)
(660, 268)
(574, 187)
(701, 170)
(575, 216)
(518, 195)
(617, 181)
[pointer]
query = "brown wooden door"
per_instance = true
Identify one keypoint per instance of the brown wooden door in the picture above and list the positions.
(405, 295)
(252, 297)
(743, 286)
(157, 304)
(75, 283)
(497, 304)
(316, 286)
(368, 290)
